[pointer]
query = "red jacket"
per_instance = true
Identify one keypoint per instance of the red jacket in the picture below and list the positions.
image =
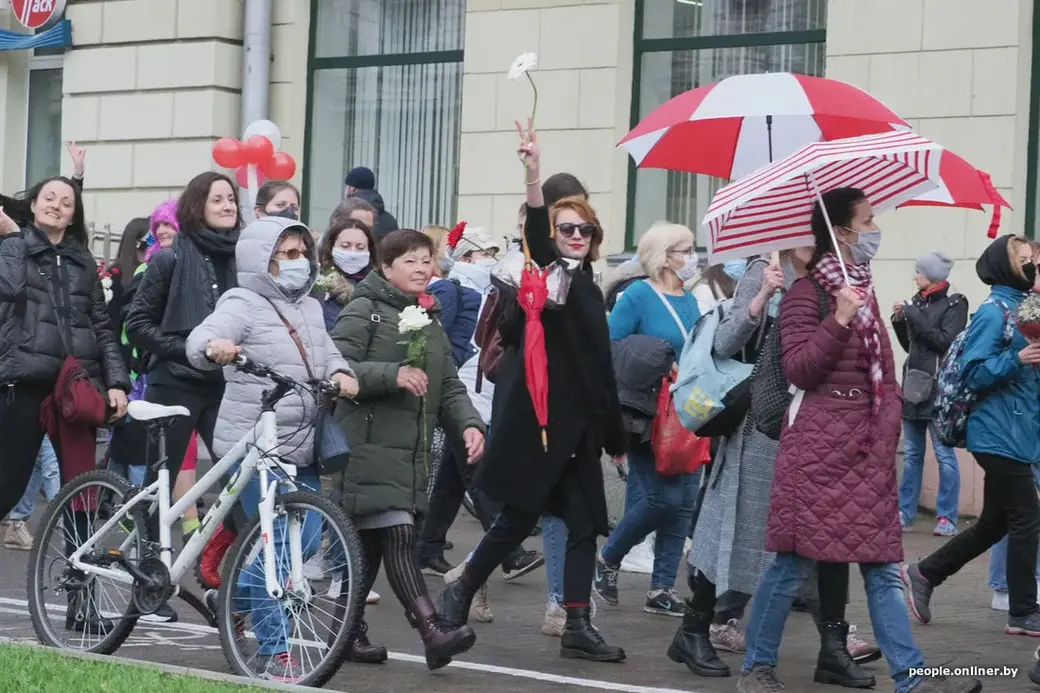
(834, 491)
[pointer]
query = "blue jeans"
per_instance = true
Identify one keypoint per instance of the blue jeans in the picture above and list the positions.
(134, 473)
(783, 581)
(46, 474)
(654, 503)
(998, 554)
(270, 624)
(949, 473)
(554, 545)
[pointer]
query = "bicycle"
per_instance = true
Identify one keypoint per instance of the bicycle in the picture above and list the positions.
(106, 536)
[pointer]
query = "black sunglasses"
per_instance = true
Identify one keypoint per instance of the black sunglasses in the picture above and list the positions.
(567, 229)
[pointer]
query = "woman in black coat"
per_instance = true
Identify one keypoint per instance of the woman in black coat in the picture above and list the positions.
(45, 262)
(584, 420)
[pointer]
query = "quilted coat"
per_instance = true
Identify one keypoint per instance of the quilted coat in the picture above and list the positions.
(834, 490)
(247, 317)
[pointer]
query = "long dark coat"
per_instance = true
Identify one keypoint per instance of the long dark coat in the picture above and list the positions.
(584, 412)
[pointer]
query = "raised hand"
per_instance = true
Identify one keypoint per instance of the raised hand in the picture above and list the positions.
(79, 157)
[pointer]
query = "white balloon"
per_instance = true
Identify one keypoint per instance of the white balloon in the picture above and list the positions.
(267, 129)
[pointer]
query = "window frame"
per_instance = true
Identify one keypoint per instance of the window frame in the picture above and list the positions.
(1033, 137)
(316, 64)
(39, 63)
(642, 46)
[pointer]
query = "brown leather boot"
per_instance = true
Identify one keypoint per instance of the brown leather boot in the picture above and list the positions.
(364, 652)
(442, 643)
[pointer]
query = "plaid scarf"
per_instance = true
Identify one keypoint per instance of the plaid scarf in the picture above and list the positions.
(827, 272)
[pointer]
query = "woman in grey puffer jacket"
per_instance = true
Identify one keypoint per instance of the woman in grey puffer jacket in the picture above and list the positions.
(263, 319)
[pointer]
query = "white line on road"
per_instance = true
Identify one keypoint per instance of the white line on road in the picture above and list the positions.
(416, 659)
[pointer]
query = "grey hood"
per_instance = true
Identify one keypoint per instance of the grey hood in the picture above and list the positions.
(256, 246)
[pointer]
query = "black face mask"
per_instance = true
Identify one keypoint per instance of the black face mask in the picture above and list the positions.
(287, 213)
(1029, 269)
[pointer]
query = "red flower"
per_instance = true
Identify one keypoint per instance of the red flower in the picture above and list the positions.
(426, 301)
(456, 235)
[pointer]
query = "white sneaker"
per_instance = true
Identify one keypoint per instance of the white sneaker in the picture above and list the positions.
(641, 558)
(1000, 601)
(555, 619)
(480, 609)
(314, 568)
(455, 573)
(373, 597)
(18, 536)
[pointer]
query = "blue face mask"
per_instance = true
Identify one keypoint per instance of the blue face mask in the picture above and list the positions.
(735, 269)
(293, 275)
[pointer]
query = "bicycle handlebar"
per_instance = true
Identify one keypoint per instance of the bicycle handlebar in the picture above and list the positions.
(241, 363)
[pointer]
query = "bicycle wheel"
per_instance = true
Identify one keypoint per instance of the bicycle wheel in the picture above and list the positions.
(91, 617)
(279, 639)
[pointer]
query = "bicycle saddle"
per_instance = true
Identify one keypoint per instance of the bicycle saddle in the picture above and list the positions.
(139, 410)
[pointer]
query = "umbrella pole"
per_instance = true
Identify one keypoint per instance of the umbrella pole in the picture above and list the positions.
(830, 227)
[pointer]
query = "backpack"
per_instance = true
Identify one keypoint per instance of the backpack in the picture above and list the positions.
(488, 338)
(954, 402)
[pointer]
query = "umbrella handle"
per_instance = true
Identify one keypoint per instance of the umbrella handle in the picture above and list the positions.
(830, 227)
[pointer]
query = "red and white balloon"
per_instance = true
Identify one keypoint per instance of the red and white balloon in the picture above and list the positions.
(256, 157)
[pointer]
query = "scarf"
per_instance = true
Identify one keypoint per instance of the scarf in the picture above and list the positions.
(190, 299)
(935, 289)
(827, 272)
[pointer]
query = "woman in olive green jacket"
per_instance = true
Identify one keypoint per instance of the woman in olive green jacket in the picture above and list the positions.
(384, 485)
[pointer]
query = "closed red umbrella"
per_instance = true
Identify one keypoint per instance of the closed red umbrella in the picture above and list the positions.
(532, 296)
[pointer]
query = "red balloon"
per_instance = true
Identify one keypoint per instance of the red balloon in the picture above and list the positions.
(258, 149)
(228, 152)
(280, 166)
(242, 176)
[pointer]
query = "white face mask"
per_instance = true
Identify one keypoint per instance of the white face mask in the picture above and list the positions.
(293, 275)
(477, 274)
(689, 268)
(351, 261)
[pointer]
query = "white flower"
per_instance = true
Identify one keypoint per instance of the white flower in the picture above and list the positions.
(413, 319)
(106, 283)
(108, 294)
(521, 65)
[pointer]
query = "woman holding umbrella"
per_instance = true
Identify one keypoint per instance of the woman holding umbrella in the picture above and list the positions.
(564, 476)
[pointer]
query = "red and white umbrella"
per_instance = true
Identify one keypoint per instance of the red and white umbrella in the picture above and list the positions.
(735, 126)
(965, 186)
(771, 209)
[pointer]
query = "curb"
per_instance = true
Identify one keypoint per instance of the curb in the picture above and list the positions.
(171, 669)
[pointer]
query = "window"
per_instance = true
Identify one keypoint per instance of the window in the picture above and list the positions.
(1033, 151)
(385, 91)
(684, 44)
(43, 139)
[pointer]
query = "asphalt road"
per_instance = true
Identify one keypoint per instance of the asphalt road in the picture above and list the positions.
(512, 656)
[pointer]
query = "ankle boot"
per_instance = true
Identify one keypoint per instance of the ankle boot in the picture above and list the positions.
(455, 603)
(442, 642)
(581, 640)
(692, 645)
(364, 652)
(834, 664)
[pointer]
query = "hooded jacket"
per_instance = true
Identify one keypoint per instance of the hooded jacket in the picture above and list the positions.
(248, 316)
(1006, 417)
(385, 221)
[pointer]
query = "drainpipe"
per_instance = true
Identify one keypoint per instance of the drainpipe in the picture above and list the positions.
(256, 61)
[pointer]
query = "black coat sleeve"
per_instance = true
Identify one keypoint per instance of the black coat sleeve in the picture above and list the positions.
(538, 234)
(938, 337)
(144, 318)
(113, 368)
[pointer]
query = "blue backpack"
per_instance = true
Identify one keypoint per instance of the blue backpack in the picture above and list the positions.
(954, 402)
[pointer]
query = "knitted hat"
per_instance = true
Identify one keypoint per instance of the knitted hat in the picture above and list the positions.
(474, 240)
(361, 178)
(935, 267)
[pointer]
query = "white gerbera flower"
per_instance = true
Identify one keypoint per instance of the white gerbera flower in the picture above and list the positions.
(413, 319)
(522, 64)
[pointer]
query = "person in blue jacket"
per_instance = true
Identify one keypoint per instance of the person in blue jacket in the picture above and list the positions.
(1003, 436)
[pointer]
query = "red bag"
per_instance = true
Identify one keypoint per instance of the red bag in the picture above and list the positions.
(676, 450)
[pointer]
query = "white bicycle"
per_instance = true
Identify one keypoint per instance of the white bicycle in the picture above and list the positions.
(270, 608)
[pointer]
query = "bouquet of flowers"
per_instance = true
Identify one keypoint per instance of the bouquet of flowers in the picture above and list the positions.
(105, 274)
(1028, 317)
(411, 324)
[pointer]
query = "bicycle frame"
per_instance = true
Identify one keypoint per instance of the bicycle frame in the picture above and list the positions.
(260, 457)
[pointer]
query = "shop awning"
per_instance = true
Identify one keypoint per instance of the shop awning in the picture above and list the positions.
(58, 36)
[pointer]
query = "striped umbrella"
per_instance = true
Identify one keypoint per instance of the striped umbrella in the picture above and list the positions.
(771, 209)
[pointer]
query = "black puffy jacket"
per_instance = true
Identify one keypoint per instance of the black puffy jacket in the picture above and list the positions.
(144, 319)
(35, 277)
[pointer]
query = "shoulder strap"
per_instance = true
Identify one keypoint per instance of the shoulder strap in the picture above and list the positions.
(296, 339)
(675, 316)
(823, 298)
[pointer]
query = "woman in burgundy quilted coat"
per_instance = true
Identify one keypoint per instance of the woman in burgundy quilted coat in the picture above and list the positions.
(834, 490)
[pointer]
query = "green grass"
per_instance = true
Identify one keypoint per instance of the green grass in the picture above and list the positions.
(34, 670)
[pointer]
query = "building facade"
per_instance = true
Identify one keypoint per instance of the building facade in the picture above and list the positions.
(417, 90)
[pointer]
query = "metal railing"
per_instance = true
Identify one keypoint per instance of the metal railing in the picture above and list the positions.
(104, 243)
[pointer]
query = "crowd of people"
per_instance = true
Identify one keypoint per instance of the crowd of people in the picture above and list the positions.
(772, 516)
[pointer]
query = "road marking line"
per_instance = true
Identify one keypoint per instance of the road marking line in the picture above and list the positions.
(417, 659)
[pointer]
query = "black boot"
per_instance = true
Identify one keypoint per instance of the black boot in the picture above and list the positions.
(82, 615)
(581, 640)
(442, 642)
(364, 652)
(834, 664)
(692, 645)
(455, 602)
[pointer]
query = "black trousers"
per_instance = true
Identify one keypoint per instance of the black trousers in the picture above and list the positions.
(832, 582)
(21, 435)
(454, 478)
(509, 530)
(1009, 507)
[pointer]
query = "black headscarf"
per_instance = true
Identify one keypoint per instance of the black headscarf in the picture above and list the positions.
(994, 267)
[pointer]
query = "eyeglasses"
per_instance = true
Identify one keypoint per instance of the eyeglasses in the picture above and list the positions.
(567, 229)
(291, 254)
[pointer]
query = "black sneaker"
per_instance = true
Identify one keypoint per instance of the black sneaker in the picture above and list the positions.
(664, 603)
(521, 564)
(165, 614)
(605, 581)
(1024, 625)
(434, 565)
(918, 592)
